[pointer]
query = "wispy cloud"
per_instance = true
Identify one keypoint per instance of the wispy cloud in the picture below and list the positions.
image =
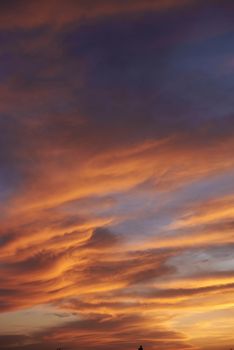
(116, 174)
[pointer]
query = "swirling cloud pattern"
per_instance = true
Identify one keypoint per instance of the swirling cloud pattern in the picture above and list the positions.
(116, 174)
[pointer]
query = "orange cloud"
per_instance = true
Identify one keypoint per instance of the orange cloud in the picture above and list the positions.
(28, 14)
(115, 210)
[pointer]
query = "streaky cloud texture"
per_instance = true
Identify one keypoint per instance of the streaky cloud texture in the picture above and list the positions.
(116, 174)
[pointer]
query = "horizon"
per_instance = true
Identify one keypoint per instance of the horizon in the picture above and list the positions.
(116, 174)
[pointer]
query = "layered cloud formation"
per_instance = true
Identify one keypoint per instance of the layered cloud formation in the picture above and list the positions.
(116, 174)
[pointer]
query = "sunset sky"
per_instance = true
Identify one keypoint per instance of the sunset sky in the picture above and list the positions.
(117, 174)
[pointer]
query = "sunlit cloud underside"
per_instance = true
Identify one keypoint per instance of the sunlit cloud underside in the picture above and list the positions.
(116, 174)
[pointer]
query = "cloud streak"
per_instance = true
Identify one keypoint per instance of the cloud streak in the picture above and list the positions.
(116, 174)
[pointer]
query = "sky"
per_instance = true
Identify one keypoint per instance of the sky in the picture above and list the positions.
(116, 174)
